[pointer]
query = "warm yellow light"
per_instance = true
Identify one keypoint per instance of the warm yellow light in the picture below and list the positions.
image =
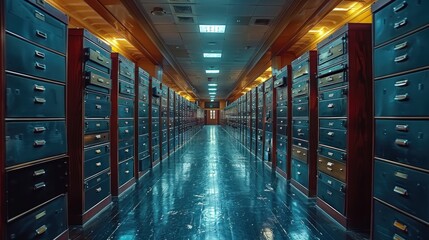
(342, 9)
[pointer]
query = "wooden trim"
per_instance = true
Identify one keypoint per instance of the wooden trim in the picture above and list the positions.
(63, 236)
(332, 212)
(126, 186)
(298, 186)
(97, 209)
(114, 141)
(136, 122)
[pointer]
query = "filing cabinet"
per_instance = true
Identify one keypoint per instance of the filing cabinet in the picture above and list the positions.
(270, 109)
(123, 121)
(171, 119)
(345, 123)
(260, 122)
(254, 102)
(155, 106)
(142, 122)
(400, 168)
(164, 122)
(304, 123)
(89, 111)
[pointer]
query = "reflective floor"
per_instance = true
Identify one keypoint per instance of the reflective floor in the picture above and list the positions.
(212, 189)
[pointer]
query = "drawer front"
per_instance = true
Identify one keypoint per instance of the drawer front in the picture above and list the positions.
(96, 151)
(299, 153)
(143, 143)
(300, 89)
(46, 222)
(300, 109)
(143, 126)
(31, 186)
(125, 132)
(282, 121)
(282, 104)
(144, 161)
(155, 111)
(390, 224)
(164, 136)
(126, 88)
(36, 139)
(331, 167)
(144, 94)
(97, 138)
(335, 79)
(281, 138)
(399, 17)
(331, 182)
(126, 69)
(282, 129)
(97, 105)
(125, 108)
(333, 137)
(34, 24)
(143, 110)
(155, 127)
(410, 53)
(300, 129)
(332, 154)
(334, 49)
(404, 188)
(281, 145)
(96, 190)
(333, 103)
(164, 149)
(32, 98)
(300, 143)
(97, 58)
(126, 153)
(331, 196)
(96, 126)
(300, 172)
(126, 171)
(403, 141)
(340, 124)
(405, 95)
(96, 165)
(300, 70)
(282, 112)
(268, 127)
(24, 57)
(281, 94)
(155, 154)
(98, 79)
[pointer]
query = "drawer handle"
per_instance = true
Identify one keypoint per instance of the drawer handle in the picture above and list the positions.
(98, 136)
(41, 34)
(128, 73)
(329, 169)
(331, 154)
(98, 125)
(401, 97)
(400, 6)
(329, 193)
(98, 164)
(329, 79)
(100, 80)
(331, 105)
(401, 58)
(401, 175)
(100, 58)
(127, 131)
(330, 164)
(39, 143)
(39, 100)
(329, 182)
(39, 129)
(40, 66)
(299, 173)
(39, 185)
(39, 88)
(98, 106)
(400, 226)
(330, 134)
(127, 171)
(400, 191)
(400, 46)
(41, 230)
(401, 142)
(98, 151)
(127, 150)
(402, 128)
(39, 15)
(98, 189)
(397, 237)
(40, 215)
(298, 152)
(39, 54)
(400, 24)
(126, 109)
(39, 172)
(401, 83)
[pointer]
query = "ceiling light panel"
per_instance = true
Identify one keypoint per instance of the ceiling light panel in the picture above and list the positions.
(212, 55)
(212, 71)
(212, 89)
(212, 28)
(212, 84)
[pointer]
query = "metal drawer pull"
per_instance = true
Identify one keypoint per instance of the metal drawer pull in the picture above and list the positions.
(329, 79)
(39, 143)
(329, 182)
(330, 154)
(299, 173)
(127, 131)
(39, 172)
(401, 142)
(401, 58)
(329, 169)
(126, 109)
(401, 191)
(39, 88)
(41, 34)
(98, 125)
(401, 83)
(39, 185)
(39, 15)
(400, 226)
(100, 58)
(41, 230)
(331, 105)
(397, 237)
(401, 23)
(400, 6)
(402, 128)
(97, 106)
(98, 136)
(329, 193)
(127, 150)
(299, 152)
(98, 189)
(98, 164)
(39, 129)
(98, 151)
(330, 164)
(40, 66)
(400, 46)
(101, 80)
(401, 97)
(401, 175)
(39, 54)
(39, 100)
(40, 215)
(330, 134)
(128, 171)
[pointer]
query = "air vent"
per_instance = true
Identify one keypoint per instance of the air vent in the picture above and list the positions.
(262, 21)
(185, 19)
(182, 9)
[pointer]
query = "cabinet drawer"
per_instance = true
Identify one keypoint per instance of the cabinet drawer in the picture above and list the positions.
(403, 141)
(155, 111)
(96, 126)
(126, 171)
(97, 80)
(402, 55)
(398, 18)
(299, 172)
(331, 196)
(331, 182)
(164, 149)
(155, 127)
(340, 124)
(126, 88)
(143, 110)
(126, 69)
(300, 129)
(282, 112)
(281, 104)
(143, 126)
(333, 137)
(332, 77)
(281, 138)
(126, 143)
(299, 153)
(282, 122)
(96, 165)
(126, 153)
(299, 70)
(300, 89)
(91, 139)
(97, 57)
(281, 145)
(333, 103)
(390, 224)
(97, 105)
(155, 154)
(32, 98)
(96, 151)
(26, 58)
(332, 50)
(300, 107)
(144, 94)
(125, 108)
(46, 222)
(96, 189)
(404, 95)
(125, 132)
(35, 22)
(144, 161)
(332, 154)
(36, 139)
(143, 143)
(404, 188)
(282, 129)
(31, 186)
(332, 167)
(268, 127)
(281, 94)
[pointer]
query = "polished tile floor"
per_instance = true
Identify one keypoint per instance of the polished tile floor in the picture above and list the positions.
(212, 189)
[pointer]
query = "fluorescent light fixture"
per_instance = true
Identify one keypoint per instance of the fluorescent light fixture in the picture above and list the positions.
(212, 89)
(212, 55)
(212, 93)
(212, 71)
(211, 100)
(212, 28)
(212, 84)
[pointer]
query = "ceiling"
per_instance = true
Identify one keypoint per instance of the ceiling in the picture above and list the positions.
(248, 25)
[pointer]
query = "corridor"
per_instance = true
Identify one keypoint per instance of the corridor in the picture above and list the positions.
(212, 189)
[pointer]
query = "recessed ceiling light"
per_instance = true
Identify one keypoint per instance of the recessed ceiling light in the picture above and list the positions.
(212, 71)
(211, 100)
(212, 28)
(212, 84)
(212, 89)
(212, 55)
(212, 93)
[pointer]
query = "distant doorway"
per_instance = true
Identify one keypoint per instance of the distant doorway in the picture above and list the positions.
(212, 117)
